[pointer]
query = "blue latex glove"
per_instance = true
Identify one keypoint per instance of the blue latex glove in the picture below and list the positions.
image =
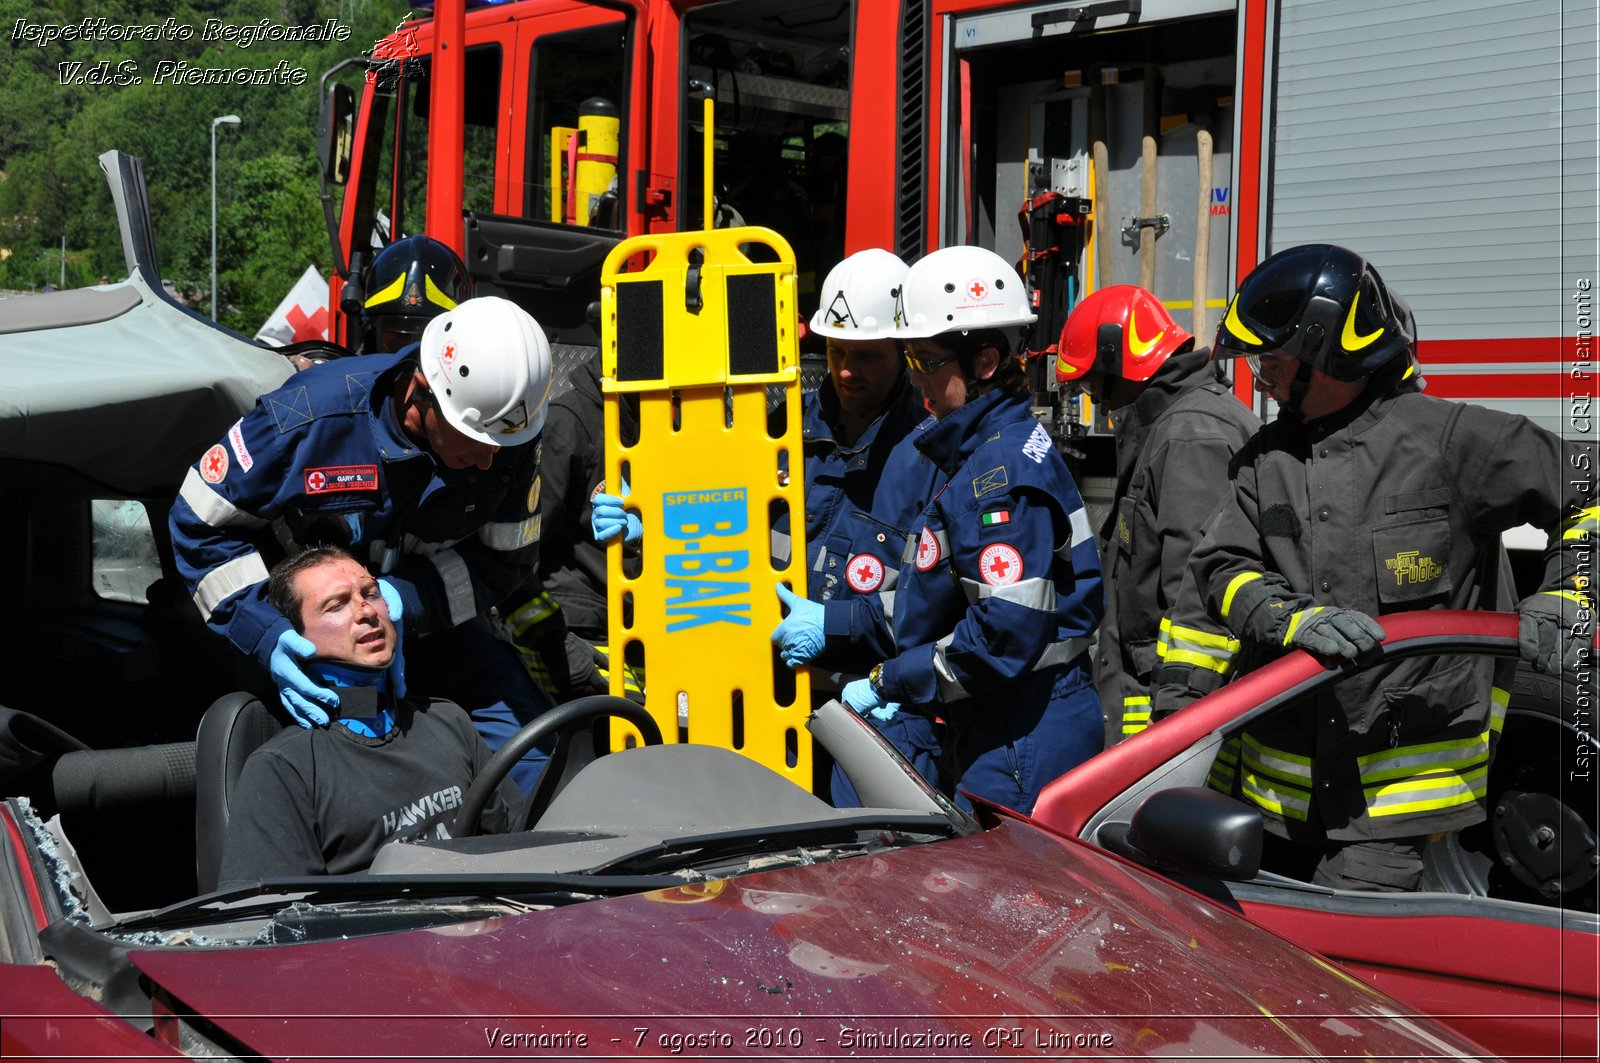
(607, 519)
(307, 702)
(799, 635)
(864, 700)
(397, 609)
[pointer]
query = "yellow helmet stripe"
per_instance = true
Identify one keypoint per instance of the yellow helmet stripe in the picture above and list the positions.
(390, 293)
(431, 290)
(1139, 347)
(1348, 337)
(1237, 327)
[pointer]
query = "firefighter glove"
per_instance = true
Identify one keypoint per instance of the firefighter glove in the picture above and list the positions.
(397, 609)
(1331, 632)
(607, 519)
(307, 702)
(799, 635)
(1554, 631)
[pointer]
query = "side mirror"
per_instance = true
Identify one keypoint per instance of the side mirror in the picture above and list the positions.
(1191, 829)
(336, 134)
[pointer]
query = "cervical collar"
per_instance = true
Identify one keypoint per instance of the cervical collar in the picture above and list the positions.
(363, 695)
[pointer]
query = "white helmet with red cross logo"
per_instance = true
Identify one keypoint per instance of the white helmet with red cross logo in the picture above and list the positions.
(487, 363)
(960, 289)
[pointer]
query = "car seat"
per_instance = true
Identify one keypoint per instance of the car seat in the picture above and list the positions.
(235, 726)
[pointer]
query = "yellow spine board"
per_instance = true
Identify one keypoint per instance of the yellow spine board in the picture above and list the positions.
(704, 477)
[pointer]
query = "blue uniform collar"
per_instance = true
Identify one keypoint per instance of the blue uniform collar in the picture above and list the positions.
(387, 435)
(954, 438)
(822, 414)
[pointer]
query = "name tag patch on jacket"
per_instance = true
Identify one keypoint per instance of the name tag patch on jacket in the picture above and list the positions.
(341, 478)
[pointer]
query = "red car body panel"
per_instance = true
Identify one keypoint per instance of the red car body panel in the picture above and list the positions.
(1524, 988)
(42, 1018)
(1513, 984)
(1010, 933)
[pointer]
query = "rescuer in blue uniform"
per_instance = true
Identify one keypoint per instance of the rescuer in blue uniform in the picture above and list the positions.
(850, 426)
(852, 422)
(998, 585)
(424, 464)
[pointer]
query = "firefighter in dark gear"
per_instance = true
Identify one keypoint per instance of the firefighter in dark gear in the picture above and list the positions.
(559, 619)
(1367, 497)
(411, 282)
(1177, 427)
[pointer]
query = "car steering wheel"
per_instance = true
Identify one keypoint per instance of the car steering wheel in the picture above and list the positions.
(571, 723)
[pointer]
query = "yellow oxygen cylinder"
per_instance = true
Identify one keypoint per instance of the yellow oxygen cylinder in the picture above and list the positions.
(599, 129)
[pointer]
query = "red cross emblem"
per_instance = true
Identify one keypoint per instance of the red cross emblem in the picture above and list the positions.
(864, 573)
(927, 551)
(314, 327)
(977, 289)
(1000, 565)
(448, 355)
(214, 466)
(315, 481)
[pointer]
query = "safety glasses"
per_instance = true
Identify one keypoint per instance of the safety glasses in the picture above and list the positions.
(925, 366)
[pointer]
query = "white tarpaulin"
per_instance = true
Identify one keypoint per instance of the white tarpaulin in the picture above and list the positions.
(303, 314)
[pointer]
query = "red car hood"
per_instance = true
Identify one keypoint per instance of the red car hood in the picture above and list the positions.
(1006, 942)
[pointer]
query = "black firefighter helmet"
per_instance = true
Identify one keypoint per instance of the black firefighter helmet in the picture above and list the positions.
(410, 282)
(1322, 304)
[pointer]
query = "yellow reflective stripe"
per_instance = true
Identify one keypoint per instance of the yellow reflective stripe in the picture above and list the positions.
(1582, 524)
(632, 680)
(1296, 620)
(1499, 699)
(1188, 645)
(1135, 714)
(1272, 795)
(391, 292)
(1571, 596)
(536, 609)
(1233, 588)
(1199, 660)
(1430, 757)
(1276, 780)
(431, 291)
(1225, 768)
(1208, 639)
(1290, 766)
(1428, 794)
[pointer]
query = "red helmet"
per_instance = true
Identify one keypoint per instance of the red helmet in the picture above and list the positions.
(1121, 331)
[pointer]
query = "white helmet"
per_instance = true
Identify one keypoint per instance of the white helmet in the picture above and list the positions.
(958, 289)
(487, 363)
(858, 298)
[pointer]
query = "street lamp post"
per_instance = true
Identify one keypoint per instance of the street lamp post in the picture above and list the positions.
(227, 119)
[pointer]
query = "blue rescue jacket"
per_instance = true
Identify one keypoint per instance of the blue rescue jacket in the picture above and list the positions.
(842, 483)
(998, 574)
(323, 459)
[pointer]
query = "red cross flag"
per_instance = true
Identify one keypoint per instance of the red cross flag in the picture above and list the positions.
(303, 314)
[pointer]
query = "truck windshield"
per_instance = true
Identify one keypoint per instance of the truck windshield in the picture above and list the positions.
(393, 183)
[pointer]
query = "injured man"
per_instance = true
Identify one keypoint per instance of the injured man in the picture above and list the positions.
(321, 800)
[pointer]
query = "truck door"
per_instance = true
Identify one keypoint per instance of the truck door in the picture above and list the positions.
(546, 116)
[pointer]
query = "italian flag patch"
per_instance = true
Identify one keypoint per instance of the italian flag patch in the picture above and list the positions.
(997, 516)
